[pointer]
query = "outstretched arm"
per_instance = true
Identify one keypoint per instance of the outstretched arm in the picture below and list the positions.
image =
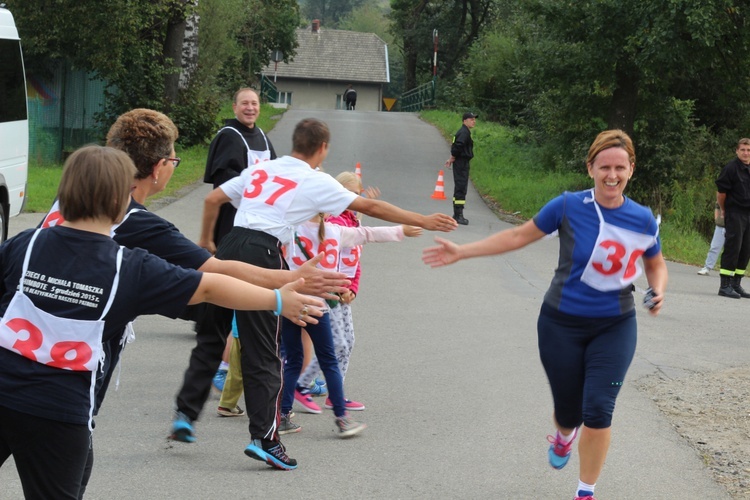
(447, 252)
(391, 213)
(318, 282)
(232, 293)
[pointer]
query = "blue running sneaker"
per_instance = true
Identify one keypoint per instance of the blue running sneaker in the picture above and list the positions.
(315, 390)
(559, 453)
(320, 381)
(274, 454)
(182, 428)
(219, 379)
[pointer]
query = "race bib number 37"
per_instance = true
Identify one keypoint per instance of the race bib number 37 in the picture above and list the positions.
(268, 189)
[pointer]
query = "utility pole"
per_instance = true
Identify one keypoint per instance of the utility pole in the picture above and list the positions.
(434, 63)
(434, 54)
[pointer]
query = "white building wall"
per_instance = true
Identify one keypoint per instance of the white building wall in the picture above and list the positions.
(327, 95)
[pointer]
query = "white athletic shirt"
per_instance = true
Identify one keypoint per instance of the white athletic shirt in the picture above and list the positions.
(278, 195)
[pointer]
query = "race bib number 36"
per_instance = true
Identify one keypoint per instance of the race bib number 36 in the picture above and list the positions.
(615, 260)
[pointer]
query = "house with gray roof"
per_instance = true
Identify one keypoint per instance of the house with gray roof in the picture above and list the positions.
(326, 62)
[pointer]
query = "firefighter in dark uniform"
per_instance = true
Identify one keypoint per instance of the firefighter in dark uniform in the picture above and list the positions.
(462, 151)
(733, 198)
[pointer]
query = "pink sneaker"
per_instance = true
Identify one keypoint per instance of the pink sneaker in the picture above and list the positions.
(587, 497)
(348, 403)
(306, 402)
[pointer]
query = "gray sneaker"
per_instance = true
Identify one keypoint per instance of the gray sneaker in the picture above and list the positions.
(704, 271)
(287, 426)
(348, 427)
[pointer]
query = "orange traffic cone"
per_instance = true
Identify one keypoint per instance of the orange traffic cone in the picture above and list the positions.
(439, 193)
(358, 171)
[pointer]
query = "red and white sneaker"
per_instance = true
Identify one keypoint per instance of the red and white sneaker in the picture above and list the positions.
(348, 403)
(306, 403)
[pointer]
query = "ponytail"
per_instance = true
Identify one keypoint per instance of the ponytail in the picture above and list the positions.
(322, 228)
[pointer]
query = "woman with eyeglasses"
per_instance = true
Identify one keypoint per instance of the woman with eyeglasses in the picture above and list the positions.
(148, 137)
(68, 291)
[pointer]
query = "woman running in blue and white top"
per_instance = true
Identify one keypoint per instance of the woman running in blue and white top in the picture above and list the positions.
(587, 326)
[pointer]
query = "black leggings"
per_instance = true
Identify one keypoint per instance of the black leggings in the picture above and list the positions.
(50, 456)
(586, 360)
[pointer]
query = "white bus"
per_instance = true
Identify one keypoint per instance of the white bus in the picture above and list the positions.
(14, 123)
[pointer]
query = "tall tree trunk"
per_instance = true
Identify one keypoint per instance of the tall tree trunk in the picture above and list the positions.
(625, 98)
(173, 44)
(410, 68)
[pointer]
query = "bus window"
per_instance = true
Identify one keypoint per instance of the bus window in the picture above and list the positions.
(14, 123)
(12, 85)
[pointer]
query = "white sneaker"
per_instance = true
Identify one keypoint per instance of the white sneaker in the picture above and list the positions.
(703, 271)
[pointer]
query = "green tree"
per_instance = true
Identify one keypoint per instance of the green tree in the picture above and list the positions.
(369, 18)
(136, 46)
(329, 12)
(458, 23)
(54, 30)
(217, 42)
(267, 25)
(141, 64)
(670, 74)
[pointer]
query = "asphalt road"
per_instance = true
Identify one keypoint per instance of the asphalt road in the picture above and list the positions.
(446, 362)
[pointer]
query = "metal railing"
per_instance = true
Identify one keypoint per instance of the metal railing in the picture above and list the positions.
(268, 90)
(417, 98)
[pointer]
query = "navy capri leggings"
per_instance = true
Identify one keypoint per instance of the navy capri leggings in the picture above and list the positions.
(586, 360)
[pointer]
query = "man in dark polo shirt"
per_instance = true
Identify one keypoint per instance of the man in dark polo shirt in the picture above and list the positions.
(733, 197)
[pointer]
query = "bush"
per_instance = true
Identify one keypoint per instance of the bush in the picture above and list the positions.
(195, 114)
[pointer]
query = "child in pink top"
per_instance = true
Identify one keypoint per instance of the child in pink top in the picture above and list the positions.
(342, 325)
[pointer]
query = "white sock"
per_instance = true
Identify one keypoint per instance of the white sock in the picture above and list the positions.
(566, 438)
(224, 366)
(585, 489)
